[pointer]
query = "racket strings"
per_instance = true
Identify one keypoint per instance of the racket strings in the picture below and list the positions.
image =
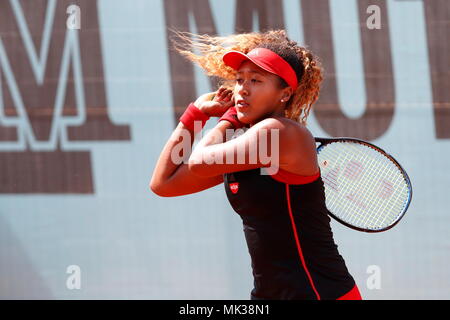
(376, 214)
(374, 197)
(359, 215)
(371, 215)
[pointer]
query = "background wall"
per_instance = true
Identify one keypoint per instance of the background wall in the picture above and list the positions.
(85, 112)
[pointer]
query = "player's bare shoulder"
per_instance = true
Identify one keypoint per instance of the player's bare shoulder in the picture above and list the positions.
(291, 133)
(296, 131)
(297, 148)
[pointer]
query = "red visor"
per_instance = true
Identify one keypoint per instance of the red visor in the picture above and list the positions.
(265, 59)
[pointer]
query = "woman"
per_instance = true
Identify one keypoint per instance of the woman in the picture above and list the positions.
(269, 86)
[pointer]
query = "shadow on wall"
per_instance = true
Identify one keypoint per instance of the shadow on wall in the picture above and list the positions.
(19, 279)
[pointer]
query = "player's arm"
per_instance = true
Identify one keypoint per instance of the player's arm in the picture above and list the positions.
(265, 144)
(171, 178)
(172, 175)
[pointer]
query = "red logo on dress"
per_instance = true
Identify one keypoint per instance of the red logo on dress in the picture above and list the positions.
(234, 187)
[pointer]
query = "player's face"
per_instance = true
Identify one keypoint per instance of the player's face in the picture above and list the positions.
(257, 93)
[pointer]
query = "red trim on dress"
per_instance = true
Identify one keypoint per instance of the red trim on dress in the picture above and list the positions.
(292, 178)
(351, 295)
(297, 241)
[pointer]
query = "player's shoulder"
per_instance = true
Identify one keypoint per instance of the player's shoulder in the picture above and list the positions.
(279, 123)
(290, 128)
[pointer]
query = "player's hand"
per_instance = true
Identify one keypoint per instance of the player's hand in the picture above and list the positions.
(215, 104)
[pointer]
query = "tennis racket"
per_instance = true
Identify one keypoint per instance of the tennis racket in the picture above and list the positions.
(366, 189)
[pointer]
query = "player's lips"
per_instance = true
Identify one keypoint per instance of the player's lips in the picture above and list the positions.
(242, 104)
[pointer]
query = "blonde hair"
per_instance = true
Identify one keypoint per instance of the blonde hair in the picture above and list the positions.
(207, 51)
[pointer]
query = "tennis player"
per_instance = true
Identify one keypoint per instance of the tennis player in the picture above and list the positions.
(269, 85)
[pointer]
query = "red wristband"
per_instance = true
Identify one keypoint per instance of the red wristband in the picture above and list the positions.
(231, 116)
(192, 114)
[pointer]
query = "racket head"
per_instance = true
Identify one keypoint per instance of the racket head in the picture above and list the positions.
(366, 189)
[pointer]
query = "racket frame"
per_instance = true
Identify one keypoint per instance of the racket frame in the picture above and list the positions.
(324, 141)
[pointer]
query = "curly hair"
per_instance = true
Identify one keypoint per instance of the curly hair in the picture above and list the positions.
(206, 51)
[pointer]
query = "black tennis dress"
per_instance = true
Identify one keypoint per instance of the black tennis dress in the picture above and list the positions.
(288, 234)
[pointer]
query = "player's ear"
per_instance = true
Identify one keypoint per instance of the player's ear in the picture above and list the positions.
(286, 94)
